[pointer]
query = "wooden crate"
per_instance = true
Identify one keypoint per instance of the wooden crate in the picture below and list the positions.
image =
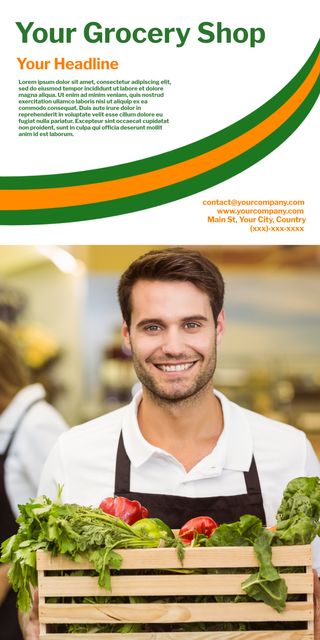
(175, 584)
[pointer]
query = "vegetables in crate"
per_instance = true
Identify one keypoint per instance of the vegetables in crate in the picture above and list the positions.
(72, 530)
(86, 532)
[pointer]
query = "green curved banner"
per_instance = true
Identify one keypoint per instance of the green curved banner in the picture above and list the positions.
(166, 177)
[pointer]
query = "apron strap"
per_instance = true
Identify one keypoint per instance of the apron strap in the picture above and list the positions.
(122, 473)
(17, 425)
(252, 478)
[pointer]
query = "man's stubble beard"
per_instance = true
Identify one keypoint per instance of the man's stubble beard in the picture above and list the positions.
(162, 398)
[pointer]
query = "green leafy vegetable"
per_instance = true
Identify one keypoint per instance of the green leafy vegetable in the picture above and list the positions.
(296, 530)
(300, 498)
(266, 585)
(299, 512)
(236, 534)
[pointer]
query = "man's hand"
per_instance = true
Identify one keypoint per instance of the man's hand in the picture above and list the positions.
(316, 592)
(29, 622)
(4, 583)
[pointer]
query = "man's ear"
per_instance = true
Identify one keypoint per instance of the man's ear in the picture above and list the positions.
(220, 326)
(126, 334)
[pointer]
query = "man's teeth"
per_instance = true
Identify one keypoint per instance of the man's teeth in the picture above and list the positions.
(175, 367)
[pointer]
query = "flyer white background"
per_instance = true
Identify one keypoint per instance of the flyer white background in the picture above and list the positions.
(213, 85)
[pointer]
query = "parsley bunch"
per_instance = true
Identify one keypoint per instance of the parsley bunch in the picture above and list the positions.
(69, 529)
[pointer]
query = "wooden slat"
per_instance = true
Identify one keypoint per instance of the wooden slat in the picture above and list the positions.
(42, 626)
(168, 585)
(173, 613)
(187, 635)
(214, 557)
(310, 599)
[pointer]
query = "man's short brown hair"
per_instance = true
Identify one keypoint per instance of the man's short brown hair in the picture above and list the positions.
(173, 264)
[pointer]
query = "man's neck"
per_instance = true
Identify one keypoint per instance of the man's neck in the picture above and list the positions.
(187, 430)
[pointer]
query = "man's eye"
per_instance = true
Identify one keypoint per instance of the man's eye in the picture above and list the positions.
(152, 328)
(192, 325)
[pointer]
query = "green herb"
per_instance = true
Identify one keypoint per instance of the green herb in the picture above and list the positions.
(71, 530)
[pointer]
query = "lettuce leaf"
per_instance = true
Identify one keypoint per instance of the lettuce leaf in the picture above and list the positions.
(301, 497)
(266, 585)
(296, 530)
(242, 533)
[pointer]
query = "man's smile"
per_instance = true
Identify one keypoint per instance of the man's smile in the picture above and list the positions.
(175, 367)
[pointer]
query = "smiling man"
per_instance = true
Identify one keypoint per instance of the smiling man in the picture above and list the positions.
(172, 334)
(181, 448)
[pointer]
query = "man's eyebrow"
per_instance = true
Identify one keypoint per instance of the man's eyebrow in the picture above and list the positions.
(145, 321)
(198, 317)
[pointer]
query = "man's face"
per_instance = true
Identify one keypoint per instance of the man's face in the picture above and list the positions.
(172, 338)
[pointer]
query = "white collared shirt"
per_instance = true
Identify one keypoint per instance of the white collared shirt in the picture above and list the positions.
(37, 433)
(83, 460)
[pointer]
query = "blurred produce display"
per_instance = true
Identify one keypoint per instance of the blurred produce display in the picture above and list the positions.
(38, 345)
(280, 395)
(12, 304)
(117, 375)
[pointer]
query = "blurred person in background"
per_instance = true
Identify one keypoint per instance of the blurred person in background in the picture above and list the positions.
(29, 427)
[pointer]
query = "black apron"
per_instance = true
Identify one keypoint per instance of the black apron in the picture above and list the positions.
(9, 626)
(176, 510)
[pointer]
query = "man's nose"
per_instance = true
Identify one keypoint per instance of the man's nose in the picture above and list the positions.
(173, 343)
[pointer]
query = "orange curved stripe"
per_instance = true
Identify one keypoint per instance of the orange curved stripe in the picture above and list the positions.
(133, 185)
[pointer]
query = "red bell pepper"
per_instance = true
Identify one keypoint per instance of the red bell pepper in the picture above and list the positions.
(202, 525)
(127, 510)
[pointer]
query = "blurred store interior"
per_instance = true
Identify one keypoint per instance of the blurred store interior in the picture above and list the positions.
(62, 305)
